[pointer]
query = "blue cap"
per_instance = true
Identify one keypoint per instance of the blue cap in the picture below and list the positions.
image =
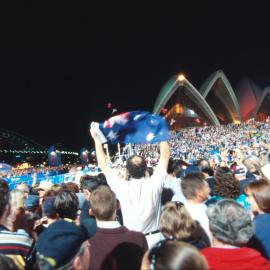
(60, 243)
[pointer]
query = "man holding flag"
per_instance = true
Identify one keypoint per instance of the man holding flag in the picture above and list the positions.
(140, 197)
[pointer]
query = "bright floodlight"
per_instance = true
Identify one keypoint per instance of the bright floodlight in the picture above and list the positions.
(53, 153)
(181, 78)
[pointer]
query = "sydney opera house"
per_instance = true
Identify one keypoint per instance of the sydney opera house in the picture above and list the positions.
(214, 103)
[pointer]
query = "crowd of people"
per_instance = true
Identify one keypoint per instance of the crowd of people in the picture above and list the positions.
(199, 201)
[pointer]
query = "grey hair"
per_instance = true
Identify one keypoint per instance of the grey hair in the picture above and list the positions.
(230, 223)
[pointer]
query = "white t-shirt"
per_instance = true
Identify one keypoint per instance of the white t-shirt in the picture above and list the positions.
(140, 199)
(175, 185)
(198, 212)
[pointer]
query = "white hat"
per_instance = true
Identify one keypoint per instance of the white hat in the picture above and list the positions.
(45, 185)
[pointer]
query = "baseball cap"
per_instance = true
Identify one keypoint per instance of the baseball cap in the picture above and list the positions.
(60, 243)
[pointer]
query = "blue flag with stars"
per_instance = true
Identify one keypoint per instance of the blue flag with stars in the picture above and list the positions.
(137, 127)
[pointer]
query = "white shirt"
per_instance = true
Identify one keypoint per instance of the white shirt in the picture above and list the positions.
(175, 185)
(140, 199)
(108, 224)
(198, 212)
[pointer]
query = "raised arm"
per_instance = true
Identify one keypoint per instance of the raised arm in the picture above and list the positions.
(164, 154)
(100, 153)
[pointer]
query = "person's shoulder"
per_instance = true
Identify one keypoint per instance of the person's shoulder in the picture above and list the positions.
(19, 237)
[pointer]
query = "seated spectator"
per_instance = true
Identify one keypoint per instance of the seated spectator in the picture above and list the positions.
(196, 191)
(173, 255)
(13, 244)
(109, 233)
(231, 227)
(259, 199)
(176, 222)
(63, 245)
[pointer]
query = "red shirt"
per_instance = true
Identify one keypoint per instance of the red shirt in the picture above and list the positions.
(234, 258)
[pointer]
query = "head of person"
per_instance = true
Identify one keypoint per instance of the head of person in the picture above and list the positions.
(207, 171)
(17, 198)
(63, 245)
(204, 163)
(172, 255)
(175, 221)
(49, 209)
(258, 193)
(31, 203)
(226, 185)
(66, 204)
(229, 222)
(174, 167)
(103, 203)
(240, 172)
(71, 187)
(43, 187)
(252, 164)
(4, 199)
(136, 167)
(4, 187)
(22, 186)
(90, 183)
(195, 187)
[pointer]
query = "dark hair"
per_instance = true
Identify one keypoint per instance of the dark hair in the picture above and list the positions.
(207, 170)
(150, 170)
(191, 183)
(103, 202)
(260, 190)
(136, 166)
(66, 204)
(173, 166)
(226, 185)
(170, 255)
(4, 196)
(90, 182)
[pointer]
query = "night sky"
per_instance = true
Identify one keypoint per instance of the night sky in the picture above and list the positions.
(60, 69)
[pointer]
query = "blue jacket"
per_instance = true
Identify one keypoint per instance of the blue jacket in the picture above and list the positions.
(262, 233)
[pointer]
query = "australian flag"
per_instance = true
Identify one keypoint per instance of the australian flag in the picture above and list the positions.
(137, 127)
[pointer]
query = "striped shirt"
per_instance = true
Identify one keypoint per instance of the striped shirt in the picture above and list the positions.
(15, 245)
